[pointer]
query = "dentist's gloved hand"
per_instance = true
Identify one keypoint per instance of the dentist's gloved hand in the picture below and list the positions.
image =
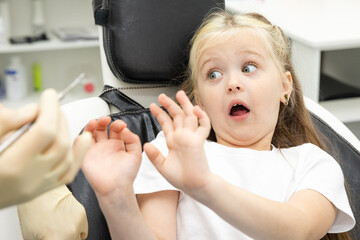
(42, 158)
(54, 215)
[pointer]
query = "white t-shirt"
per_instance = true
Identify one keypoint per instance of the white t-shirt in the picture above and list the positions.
(274, 174)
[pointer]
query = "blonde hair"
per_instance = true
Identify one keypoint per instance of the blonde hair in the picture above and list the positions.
(294, 126)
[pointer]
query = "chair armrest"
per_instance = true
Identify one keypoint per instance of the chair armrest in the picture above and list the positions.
(333, 122)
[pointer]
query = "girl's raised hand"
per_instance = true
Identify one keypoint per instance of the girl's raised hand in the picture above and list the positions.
(185, 130)
(112, 162)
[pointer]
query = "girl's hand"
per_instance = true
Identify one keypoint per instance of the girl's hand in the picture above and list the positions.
(111, 164)
(186, 165)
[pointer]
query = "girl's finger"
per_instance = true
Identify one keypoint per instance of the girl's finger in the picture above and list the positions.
(100, 132)
(90, 127)
(115, 129)
(204, 122)
(170, 105)
(154, 156)
(131, 140)
(185, 103)
(174, 110)
(190, 120)
(163, 118)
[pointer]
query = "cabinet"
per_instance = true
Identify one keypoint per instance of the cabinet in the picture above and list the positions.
(61, 62)
(332, 72)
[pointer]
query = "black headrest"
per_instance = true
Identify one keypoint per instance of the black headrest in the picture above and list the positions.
(147, 41)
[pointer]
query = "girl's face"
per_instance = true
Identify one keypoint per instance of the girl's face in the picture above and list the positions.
(240, 88)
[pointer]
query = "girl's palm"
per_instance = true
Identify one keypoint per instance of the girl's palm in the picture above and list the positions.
(186, 165)
(112, 163)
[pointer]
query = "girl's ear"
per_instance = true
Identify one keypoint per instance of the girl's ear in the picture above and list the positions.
(286, 88)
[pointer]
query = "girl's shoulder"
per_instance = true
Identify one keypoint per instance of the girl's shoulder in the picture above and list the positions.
(307, 150)
(304, 147)
(311, 158)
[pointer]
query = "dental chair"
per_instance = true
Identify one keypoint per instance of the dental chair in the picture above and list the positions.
(143, 53)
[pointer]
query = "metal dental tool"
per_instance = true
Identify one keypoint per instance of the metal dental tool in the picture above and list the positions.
(18, 133)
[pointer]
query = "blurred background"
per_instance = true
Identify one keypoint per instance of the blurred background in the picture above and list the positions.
(48, 43)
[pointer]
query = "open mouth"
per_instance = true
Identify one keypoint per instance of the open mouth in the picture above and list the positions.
(238, 110)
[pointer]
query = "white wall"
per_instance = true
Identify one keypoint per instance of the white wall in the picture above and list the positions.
(58, 13)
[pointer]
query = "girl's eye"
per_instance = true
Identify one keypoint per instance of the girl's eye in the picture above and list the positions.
(248, 68)
(214, 75)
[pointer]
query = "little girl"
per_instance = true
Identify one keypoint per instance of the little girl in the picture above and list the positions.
(259, 174)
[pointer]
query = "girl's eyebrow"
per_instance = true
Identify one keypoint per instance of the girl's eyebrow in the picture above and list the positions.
(210, 59)
(250, 52)
(239, 52)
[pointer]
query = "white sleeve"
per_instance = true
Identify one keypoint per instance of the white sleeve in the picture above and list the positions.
(323, 174)
(148, 179)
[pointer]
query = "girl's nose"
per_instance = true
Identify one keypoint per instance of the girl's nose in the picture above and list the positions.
(234, 88)
(234, 82)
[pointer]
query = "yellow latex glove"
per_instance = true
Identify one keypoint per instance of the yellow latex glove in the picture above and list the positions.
(42, 158)
(54, 215)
